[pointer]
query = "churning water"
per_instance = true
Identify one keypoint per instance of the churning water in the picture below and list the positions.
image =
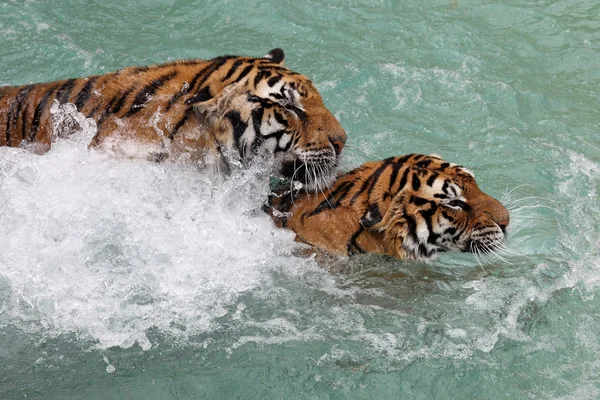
(130, 279)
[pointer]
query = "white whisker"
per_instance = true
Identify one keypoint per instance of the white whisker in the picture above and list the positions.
(370, 154)
(512, 190)
(539, 206)
(515, 201)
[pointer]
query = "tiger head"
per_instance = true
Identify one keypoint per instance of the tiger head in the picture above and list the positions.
(413, 207)
(277, 113)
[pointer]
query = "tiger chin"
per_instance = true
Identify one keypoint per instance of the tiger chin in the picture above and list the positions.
(409, 207)
(230, 109)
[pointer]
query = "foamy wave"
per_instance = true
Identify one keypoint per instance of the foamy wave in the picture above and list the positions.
(106, 249)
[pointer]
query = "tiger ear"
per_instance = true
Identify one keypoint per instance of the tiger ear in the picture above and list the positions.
(275, 56)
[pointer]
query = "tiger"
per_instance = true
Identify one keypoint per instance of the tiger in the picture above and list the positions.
(409, 207)
(229, 108)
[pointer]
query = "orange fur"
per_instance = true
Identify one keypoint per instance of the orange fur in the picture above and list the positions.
(407, 207)
(159, 106)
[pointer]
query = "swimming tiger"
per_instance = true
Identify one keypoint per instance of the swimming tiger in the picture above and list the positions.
(413, 206)
(235, 106)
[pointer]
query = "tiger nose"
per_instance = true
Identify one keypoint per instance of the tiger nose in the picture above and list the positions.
(338, 144)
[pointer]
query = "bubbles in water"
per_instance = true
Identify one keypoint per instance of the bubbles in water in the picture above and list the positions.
(109, 367)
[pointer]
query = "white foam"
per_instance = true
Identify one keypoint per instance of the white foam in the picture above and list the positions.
(107, 249)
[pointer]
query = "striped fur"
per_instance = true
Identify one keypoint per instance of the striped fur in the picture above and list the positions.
(414, 206)
(260, 107)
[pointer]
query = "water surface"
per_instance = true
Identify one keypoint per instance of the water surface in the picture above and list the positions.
(126, 279)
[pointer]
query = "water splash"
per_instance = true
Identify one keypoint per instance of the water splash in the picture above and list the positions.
(107, 249)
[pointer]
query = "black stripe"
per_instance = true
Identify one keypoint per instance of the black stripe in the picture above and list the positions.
(245, 72)
(404, 179)
(84, 94)
(278, 68)
(202, 95)
(450, 231)
(257, 116)
(147, 92)
(278, 135)
(188, 112)
(202, 71)
(447, 216)
(64, 92)
(333, 201)
(403, 159)
(266, 103)
(453, 190)
(416, 182)
(445, 187)
(428, 217)
(300, 113)
(13, 115)
(279, 118)
(423, 251)
(432, 179)
(394, 175)
(190, 86)
(239, 127)
(203, 75)
(370, 182)
(37, 116)
(418, 201)
(116, 105)
(8, 118)
(260, 75)
(232, 70)
(24, 121)
(412, 227)
(335, 198)
(174, 99)
(352, 246)
(273, 81)
(371, 217)
(424, 163)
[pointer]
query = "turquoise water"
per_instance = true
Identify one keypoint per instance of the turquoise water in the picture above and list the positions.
(123, 279)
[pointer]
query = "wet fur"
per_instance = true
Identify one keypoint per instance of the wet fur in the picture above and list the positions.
(414, 206)
(169, 108)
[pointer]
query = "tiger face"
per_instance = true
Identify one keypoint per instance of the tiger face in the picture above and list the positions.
(414, 207)
(281, 116)
(227, 108)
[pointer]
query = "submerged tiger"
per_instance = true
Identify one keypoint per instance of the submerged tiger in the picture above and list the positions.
(414, 207)
(226, 109)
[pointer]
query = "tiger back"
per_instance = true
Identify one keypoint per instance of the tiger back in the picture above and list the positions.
(260, 108)
(414, 206)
